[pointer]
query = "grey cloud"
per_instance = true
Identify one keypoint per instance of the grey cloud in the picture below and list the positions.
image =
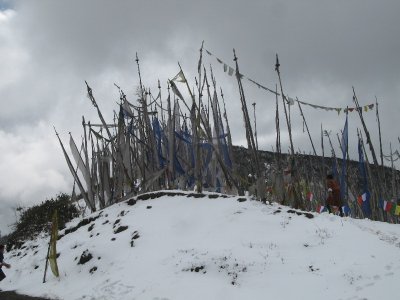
(325, 48)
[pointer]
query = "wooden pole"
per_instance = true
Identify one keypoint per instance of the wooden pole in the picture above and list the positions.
(230, 179)
(277, 65)
(308, 131)
(278, 130)
(195, 114)
(47, 261)
(249, 132)
(379, 129)
(255, 125)
(367, 135)
(230, 146)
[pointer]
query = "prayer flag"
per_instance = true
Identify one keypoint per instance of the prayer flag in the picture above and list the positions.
(179, 77)
(387, 206)
(175, 90)
(397, 211)
(53, 248)
(359, 200)
(393, 208)
(320, 208)
(346, 210)
(362, 198)
(310, 196)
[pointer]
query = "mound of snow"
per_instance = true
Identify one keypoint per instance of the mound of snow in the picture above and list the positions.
(187, 246)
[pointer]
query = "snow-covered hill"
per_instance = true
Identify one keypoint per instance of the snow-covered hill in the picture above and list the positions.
(212, 247)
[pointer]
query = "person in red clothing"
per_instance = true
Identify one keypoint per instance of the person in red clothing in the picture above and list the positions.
(334, 200)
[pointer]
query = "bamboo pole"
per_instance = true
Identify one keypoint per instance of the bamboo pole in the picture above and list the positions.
(277, 66)
(379, 130)
(278, 130)
(308, 131)
(255, 125)
(249, 132)
(85, 150)
(230, 179)
(367, 135)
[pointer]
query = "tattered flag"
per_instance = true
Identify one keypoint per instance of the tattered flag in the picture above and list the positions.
(175, 90)
(179, 77)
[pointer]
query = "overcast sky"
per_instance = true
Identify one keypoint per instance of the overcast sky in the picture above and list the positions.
(48, 49)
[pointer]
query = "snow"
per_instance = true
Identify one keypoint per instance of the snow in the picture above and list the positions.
(220, 248)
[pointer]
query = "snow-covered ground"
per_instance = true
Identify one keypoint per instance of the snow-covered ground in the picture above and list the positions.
(182, 247)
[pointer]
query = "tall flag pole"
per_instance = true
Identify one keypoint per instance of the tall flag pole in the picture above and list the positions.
(364, 199)
(344, 143)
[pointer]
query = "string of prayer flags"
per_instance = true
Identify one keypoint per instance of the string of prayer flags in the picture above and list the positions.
(366, 108)
(391, 207)
(290, 101)
(228, 69)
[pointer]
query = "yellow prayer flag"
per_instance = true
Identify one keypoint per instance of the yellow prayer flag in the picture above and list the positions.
(397, 211)
(53, 248)
(366, 108)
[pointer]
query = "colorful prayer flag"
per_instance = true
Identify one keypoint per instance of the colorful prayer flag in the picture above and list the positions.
(346, 210)
(387, 206)
(397, 211)
(393, 208)
(359, 200)
(310, 196)
(362, 198)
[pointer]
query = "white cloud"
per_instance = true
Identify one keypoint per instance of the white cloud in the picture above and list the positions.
(12, 55)
(31, 166)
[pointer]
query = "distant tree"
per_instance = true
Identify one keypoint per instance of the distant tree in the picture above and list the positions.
(36, 219)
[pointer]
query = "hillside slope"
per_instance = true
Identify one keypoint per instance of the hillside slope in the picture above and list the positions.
(179, 246)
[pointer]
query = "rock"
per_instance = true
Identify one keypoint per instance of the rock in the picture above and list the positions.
(85, 257)
(120, 229)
